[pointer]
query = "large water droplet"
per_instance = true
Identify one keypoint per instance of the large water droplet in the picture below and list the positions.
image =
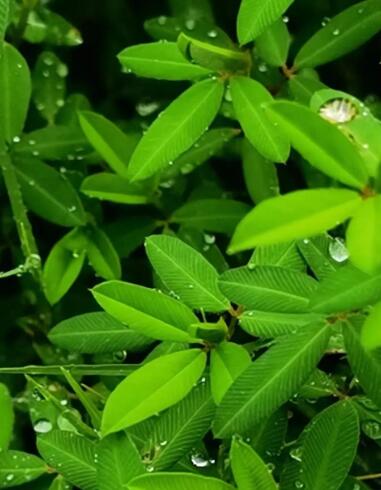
(199, 460)
(338, 251)
(43, 426)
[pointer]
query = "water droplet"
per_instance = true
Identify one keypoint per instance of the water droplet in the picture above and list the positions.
(212, 33)
(60, 102)
(296, 454)
(162, 20)
(43, 426)
(299, 484)
(372, 429)
(228, 95)
(338, 111)
(16, 139)
(338, 251)
(199, 460)
(46, 73)
(365, 146)
(270, 467)
(209, 239)
(10, 477)
(262, 67)
(150, 468)
(190, 286)
(190, 24)
(72, 209)
(286, 19)
(336, 32)
(35, 153)
(145, 109)
(325, 21)
(32, 142)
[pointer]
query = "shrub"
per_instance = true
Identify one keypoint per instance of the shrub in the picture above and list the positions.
(240, 347)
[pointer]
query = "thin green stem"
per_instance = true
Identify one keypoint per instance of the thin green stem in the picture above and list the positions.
(373, 476)
(19, 211)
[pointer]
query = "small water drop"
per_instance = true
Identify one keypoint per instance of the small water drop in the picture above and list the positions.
(212, 33)
(190, 24)
(209, 239)
(162, 20)
(336, 32)
(16, 139)
(299, 484)
(10, 477)
(286, 19)
(72, 209)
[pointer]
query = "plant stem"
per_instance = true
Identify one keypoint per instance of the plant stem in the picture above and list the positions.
(27, 6)
(24, 228)
(373, 476)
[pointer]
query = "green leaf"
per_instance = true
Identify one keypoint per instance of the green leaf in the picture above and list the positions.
(284, 255)
(186, 272)
(249, 469)
(102, 255)
(179, 126)
(255, 16)
(269, 288)
(17, 467)
(72, 455)
(118, 462)
(145, 310)
(181, 427)
(296, 215)
(329, 447)
(270, 324)
(56, 30)
(227, 362)
(7, 418)
(270, 381)
(49, 193)
(331, 153)
(49, 87)
(108, 140)
(152, 388)
(344, 33)
(248, 99)
(53, 143)
(64, 264)
(96, 333)
(303, 87)
(212, 56)
(178, 481)
(110, 187)
(273, 45)
(346, 289)
(260, 175)
(215, 215)
(4, 18)
(161, 60)
(206, 147)
(364, 236)
(371, 331)
(268, 437)
(15, 89)
(59, 483)
(365, 364)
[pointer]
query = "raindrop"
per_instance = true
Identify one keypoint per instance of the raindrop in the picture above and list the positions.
(145, 109)
(60, 103)
(338, 251)
(162, 20)
(35, 153)
(46, 73)
(48, 60)
(43, 426)
(190, 24)
(262, 67)
(325, 21)
(9, 477)
(71, 209)
(299, 484)
(32, 142)
(209, 239)
(336, 32)
(199, 461)
(286, 19)
(16, 139)
(213, 33)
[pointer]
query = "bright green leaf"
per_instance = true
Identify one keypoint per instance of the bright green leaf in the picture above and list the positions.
(273, 45)
(186, 272)
(110, 187)
(177, 128)
(7, 418)
(178, 481)
(102, 255)
(371, 330)
(295, 215)
(17, 468)
(145, 310)
(152, 388)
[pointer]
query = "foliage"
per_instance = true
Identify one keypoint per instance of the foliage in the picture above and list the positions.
(198, 299)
